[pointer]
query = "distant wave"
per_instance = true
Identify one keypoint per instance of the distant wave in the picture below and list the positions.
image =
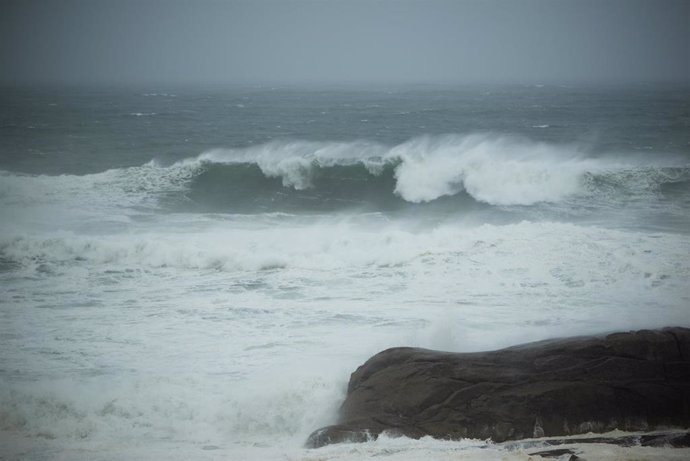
(293, 175)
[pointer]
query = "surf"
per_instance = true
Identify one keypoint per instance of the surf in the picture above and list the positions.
(442, 172)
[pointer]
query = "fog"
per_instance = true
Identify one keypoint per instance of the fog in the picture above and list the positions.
(535, 41)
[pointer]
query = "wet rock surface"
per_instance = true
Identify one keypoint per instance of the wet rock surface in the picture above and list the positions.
(632, 381)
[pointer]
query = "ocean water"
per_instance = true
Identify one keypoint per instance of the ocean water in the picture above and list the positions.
(194, 272)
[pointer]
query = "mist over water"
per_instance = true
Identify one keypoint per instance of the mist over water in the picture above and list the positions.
(194, 273)
(298, 41)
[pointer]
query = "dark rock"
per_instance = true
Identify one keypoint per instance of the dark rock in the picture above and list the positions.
(334, 434)
(558, 453)
(571, 447)
(635, 381)
(673, 440)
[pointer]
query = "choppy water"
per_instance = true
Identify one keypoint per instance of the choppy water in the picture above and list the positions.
(195, 272)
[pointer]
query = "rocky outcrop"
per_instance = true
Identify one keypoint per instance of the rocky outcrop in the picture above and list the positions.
(635, 381)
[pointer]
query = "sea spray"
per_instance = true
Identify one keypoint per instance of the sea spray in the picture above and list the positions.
(495, 170)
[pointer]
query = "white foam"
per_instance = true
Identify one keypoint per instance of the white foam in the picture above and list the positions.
(190, 407)
(63, 201)
(526, 257)
(498, 171)
(140, 340)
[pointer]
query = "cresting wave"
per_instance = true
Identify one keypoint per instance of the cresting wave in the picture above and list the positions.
(307, 175)
(494, 170)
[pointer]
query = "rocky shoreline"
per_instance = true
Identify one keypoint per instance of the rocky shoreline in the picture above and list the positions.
(631, 381)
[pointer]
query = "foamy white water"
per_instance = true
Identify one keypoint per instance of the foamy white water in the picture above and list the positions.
(241, 333)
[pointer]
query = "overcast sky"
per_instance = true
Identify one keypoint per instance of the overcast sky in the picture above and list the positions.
(344, 41)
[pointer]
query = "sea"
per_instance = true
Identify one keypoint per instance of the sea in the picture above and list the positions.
(193, 272)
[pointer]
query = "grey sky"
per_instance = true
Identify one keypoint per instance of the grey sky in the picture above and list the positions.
(345, 41)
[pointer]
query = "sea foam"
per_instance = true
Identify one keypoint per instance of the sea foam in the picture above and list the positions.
(498, 171)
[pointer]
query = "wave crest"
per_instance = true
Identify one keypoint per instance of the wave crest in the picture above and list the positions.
(498, 170)
(295, 161)
(325, 176)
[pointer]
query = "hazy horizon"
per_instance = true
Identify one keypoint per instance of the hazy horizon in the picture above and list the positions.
(339, 42)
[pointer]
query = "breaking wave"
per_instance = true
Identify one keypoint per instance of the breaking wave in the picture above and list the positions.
(493, 170)
(304, 175)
